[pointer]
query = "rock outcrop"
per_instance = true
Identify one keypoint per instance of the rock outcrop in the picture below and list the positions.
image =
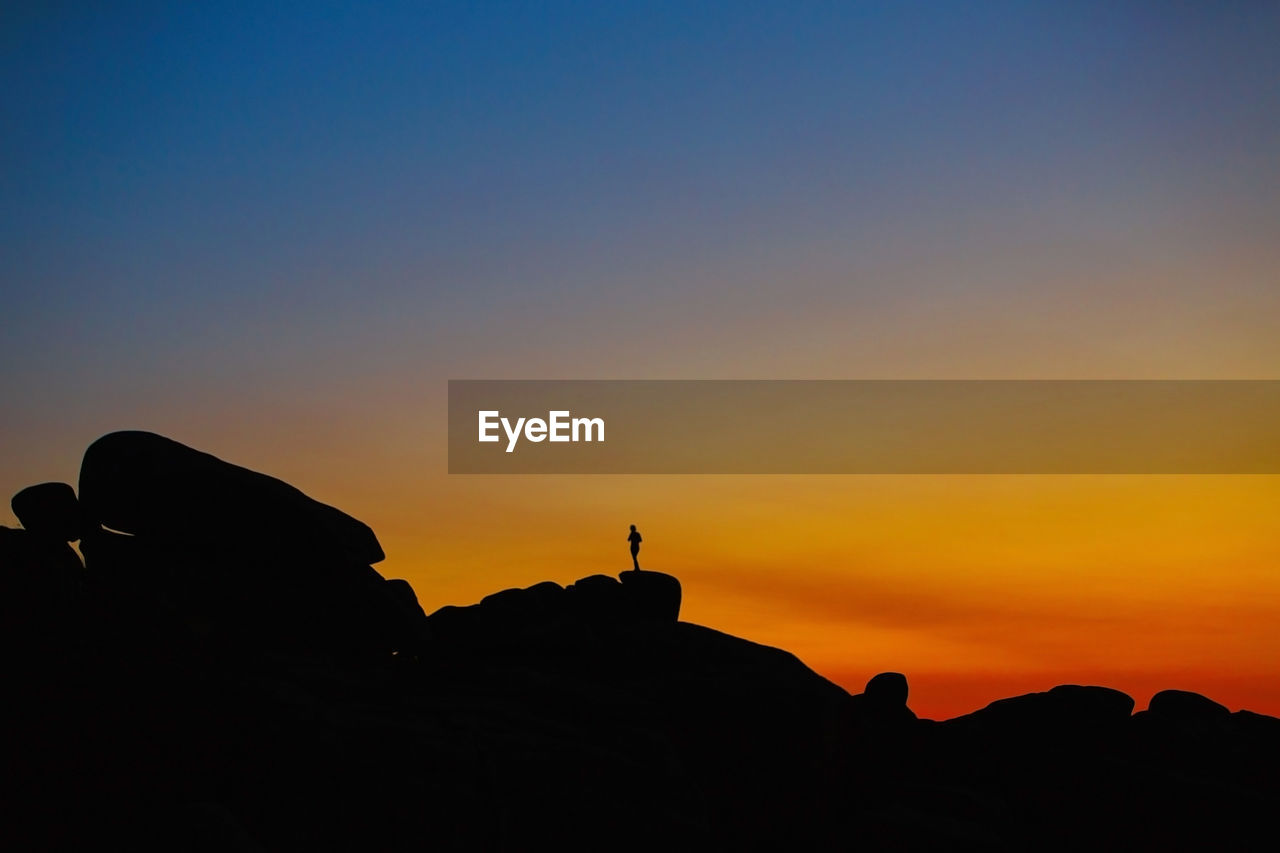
(228, 671)
(236, 553)
(1068, 712)
(546, 610)
(1183, 705)
(148, 485)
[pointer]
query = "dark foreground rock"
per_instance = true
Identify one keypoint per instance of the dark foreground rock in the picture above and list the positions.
(1185, 706)
(49, 510)
(182, 692)
(148, 485)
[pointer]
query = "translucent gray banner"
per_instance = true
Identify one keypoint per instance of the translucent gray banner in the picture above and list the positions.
(864, 427)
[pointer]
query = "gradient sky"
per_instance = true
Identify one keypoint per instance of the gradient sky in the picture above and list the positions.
(274, 234)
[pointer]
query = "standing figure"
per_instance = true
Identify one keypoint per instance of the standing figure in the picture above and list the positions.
(634, 539)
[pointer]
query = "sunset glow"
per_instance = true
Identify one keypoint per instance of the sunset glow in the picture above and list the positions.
(277, 240)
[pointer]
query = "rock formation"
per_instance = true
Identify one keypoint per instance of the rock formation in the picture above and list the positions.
(227, 671)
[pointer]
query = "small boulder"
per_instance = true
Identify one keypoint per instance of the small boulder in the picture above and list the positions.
(506, 619)
(49, 510)
(1067, 712)
(595, 597)
(652, 596)
(511, 613)
(549, 597)
(1186, 706)
(888, 689)
(401, 592)
(883, 701)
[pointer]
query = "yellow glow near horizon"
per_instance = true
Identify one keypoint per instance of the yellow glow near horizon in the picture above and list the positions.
(974, 582)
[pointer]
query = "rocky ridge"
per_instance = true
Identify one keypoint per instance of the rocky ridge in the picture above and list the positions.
(227, 671)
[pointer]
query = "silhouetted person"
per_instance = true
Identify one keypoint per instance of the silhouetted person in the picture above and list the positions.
(634, 539)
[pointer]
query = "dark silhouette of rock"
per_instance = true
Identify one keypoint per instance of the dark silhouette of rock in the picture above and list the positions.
(547, 596)
(201, 683)
(110, 553)
(1065, 711)
(410, 633)
(402, 592)
(547, 612)
(1263, 729)
(246, 560)
(12, 546)
(887, 689)
(652, 595)
(38, 569)
(520, 615)
(1201, 727)
(883, 731)
(452, 626)
(34, 565)
(883, 702)
(596, 597)
(1185, 705)
(49, 510)
(18, 562)
(148, 485)
(23, 551)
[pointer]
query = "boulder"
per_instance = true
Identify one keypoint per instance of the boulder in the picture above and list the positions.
(1067, 713)
(454, 626)
(1069, 704)
(148, 485)
(652, 596)
(401, 592)
(35, 571)
(511, 614)
(535, 605)
(247, 560)
(883, 701)
(49, 510)
(1262, 733)
(548, 596)
(502, 620)
(1186, 706)
(887, 689)
(108, 553)
(596, 597)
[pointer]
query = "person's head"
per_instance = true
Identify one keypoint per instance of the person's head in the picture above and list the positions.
(633, 527)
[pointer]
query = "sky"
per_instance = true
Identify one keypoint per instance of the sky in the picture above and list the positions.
(275, 233)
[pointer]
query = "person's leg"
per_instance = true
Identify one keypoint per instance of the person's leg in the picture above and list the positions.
(635, 558)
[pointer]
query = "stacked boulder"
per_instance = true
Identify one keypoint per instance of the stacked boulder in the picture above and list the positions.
(240, 557)
(40, 572)
(544, 611)
(149, 486)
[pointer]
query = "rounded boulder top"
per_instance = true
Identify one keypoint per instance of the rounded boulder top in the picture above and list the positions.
(49, 510)
(148, 485)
